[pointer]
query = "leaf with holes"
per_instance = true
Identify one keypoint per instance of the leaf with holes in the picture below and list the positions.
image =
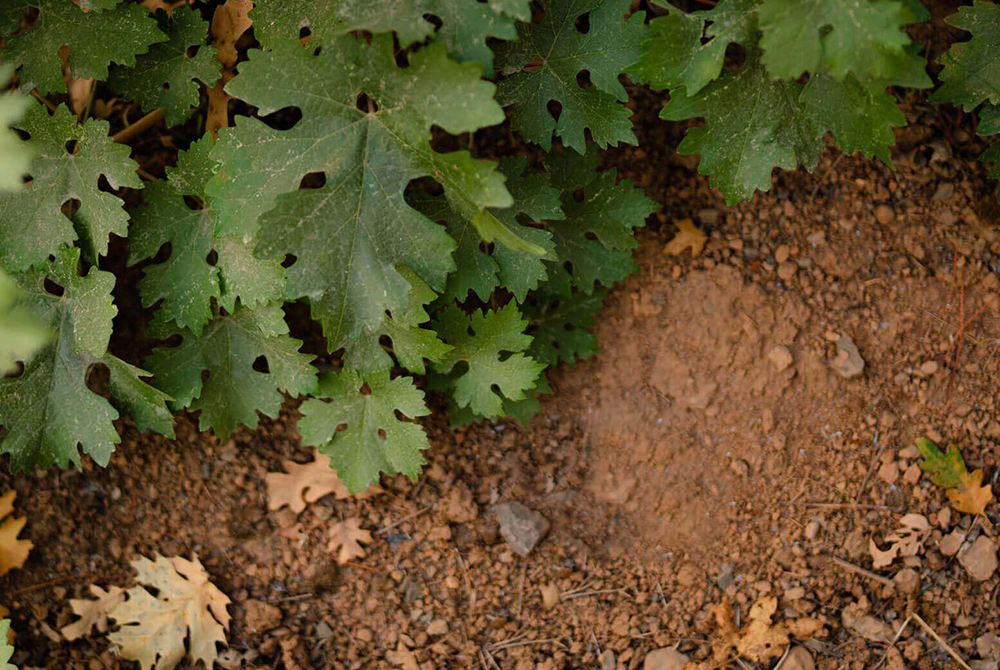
(349, 236)
(48, 410)
(544, 63)
(971, 73)
(179, 212)
(560, 327)
(22, 334)
(70, 159)
(373, 439)
(464, 26)
(489, 346)
(15, 154)
(674, 53)
(167, 76)
(841, 37)
(228, 350)
(94, 40)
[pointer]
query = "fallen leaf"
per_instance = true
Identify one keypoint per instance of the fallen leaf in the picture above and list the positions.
(307, 483)
(13, 552)
(947, 469)
(218, 107)
(760, 639)
(10, 631)
(187, 605)
(907, 540)
(229, 22)
(93, 613)
(688, 236)
(348, 536)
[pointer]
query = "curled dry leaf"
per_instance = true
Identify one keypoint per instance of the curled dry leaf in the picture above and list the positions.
(348, 536)
(13, 552)
(947, 469)
(307, 483)
(93, 613)
(907, 540)
(187, 605)
(229, 22)
(688, 236)
(760, 639)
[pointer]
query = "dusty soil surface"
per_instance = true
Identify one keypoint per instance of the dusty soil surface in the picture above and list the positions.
(710, 454)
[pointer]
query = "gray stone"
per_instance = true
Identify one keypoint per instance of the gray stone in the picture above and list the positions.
(521, 528)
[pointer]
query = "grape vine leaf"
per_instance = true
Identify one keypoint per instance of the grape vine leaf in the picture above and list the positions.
(594, 240)
(186, 281)
(374, 439)
(15, 155)
(229, 349)
(560, 327)
(356, 148)
(6, 649)
(480, 269)
(971, 73)
(674, 53)
(94, 39)
(520, 410)
(545, 61)
(48, 409)
(167, 76)
(752, 125)
(947, 469)
(464, 26)
(32, 224)
(490, 344)
(863, 37)
(21, 332)
(349, 236)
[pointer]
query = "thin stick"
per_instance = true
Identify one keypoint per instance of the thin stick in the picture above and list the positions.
(143, 124)
(520, 590)
(861, 571)
(51, 582)
(468, 582)
(852, 505)
(45, 101)
(525, 643)
(406, 518)
(571, 596)
(895, 639)
(937, 638)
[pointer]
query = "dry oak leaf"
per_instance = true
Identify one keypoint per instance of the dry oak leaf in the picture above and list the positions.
(907, 540)
(93, 613)
(971, 496)
(307, 483)
(229, 22)
(760, 639)
(13, 552)
(348, 536)
(688, 236)
(947, 469)
(152, 629)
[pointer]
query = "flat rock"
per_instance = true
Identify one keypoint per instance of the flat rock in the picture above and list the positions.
(522, 528)
(666, 658)
(980, 560)
(780, 358)
(848, 362)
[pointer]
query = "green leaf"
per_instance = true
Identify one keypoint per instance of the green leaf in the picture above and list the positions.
(32, 224)
(560, 327)
(947, 469)
(370, 155)
(971, 73)
(411, 344)
(521, 411)
(863, 37)
(48, 410)
(543, 65)
(675, 55)
(6, 649)
(594, 241)
(94, 40)
(21, 333)
(166, 76)
(753, 124)
(15, 154)
(479, 269)
(490, 345)
(373, 440)
(465, 26)
(859, 119)
(227, 350)
(186, 281)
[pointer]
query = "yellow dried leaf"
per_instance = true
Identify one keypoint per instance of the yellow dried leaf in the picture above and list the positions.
(688, 237)
(760, 639)
(13, 552)
(348, 536)
(229, 22)
(187, 605)
(971, 496)
(947, 469)
(307, 483)
(907, 540)
(93, 613)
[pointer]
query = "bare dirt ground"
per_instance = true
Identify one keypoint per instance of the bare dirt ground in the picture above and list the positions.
(709, 455)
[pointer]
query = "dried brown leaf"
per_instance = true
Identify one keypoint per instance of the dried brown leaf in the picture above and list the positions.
(688, 236)
(93, 613)
(348, 535)
(306, 483)
(760, 639)
(907, 540)
(229, 22)
(13, 552)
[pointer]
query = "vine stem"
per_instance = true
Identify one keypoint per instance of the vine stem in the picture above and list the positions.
(146, 122)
